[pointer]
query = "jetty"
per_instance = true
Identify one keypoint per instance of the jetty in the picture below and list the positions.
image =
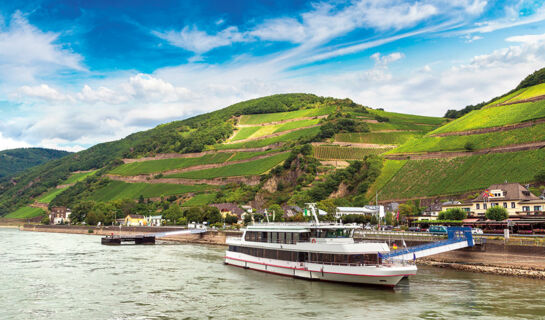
(149, 238)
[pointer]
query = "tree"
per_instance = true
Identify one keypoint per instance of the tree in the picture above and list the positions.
(406, 209)
(389, 219)
(211, 215)
(278, 213)
(80, 210)
(231, 219)
(469, 146)
(453, 214)
(45, 220)
(194, 214)
(497, 213)
(173, 213)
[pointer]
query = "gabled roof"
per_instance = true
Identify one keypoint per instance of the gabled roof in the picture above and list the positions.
(511, 191)
(232, 207)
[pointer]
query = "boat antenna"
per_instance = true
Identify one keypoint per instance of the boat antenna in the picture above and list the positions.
(312, 207)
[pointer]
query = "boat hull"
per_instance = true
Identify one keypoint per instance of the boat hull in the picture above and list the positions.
(369, 275)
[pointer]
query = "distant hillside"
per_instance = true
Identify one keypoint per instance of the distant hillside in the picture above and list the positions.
(281, 149)
(14, 161)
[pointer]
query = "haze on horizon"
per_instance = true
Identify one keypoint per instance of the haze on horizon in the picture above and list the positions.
(76, 74)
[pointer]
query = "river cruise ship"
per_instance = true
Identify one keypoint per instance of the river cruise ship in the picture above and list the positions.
(315, 251)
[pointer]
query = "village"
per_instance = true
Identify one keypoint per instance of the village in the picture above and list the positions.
(525, 214)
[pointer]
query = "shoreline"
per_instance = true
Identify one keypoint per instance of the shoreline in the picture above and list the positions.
(464, 260)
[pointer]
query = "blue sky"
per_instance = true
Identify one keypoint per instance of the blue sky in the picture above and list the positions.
(76, 73)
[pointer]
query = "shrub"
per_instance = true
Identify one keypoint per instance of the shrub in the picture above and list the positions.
(496, 213)
(45, 220)
(469, 146)
(540, 177)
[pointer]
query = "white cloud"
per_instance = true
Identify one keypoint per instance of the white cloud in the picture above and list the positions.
(197, 41)
(528, 38)
(102, 94)
(385, 60)
(10, 143)
(27, 53)
(149, 88)
(44, 92)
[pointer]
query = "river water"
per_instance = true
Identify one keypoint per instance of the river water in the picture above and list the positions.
(65, 276)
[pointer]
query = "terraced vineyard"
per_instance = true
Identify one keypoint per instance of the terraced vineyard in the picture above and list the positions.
(496, 116)
(200, 200)
(240, 169)
(433, 177)
(389, 138)
(344, 153)
(389, 170)
(288, 137)
(116, 190)
(259, 131)
(50, 195)
(477, 141)
(26, 213)
(526, 93)
(280, 116)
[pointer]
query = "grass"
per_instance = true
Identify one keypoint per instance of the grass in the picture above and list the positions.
(288, 137)
(377, 137)
(395, 117)
(247, 155)
(259, 131)
(116, 190)
(457, 175)
(273, 117)
(156, 166)
(479, 141)
(76, 177)
(496, 116)
(389, 169)
(26, 213)
(240, 169)
(401, 126)
(530, 92)
(200, 200)
(344, 153)
(50, 195)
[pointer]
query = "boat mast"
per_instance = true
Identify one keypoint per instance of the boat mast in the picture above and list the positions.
(312, 207)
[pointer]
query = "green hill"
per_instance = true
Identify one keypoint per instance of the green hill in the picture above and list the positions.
(266, 150)
(14, 161)
(501, 141)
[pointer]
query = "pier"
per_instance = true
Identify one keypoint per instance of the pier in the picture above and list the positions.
(145, 238)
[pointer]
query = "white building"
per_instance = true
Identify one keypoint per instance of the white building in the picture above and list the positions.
(367, 210)
(154, 221)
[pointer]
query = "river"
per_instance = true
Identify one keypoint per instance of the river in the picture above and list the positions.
(66, 276)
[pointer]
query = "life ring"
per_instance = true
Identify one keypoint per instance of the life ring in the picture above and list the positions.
(313, 240)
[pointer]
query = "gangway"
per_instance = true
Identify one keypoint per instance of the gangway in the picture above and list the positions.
(148, 238)
(458, 238)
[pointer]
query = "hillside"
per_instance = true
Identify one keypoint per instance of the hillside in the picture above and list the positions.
(502, 141)
(290, 148)
(14, 161)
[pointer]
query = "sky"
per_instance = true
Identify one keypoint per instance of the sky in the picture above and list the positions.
(77, 73)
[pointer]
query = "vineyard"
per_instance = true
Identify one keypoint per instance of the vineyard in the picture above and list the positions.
(259, 131)
(391, 138)
(279, 116)
(26, 213)
(344, 153)
(116, 190)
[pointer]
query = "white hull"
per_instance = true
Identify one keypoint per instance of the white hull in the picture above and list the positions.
(372, 275)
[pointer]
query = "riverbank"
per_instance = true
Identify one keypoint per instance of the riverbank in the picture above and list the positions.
(493, 258)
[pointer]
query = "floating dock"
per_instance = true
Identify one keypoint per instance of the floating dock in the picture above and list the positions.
(135, 239)
(115, 240)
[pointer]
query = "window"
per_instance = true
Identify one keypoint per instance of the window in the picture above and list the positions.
(525, 208)
(484, 206)
(478, 206)
(505, 204)
(537, 208)
(513, 205)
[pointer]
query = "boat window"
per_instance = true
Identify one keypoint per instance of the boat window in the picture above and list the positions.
(304, 237)
(274, 238)
(289, 237)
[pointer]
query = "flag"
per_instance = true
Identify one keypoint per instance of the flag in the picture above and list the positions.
(305, 212)
(397, 216)
(394, 246)
(404, 244)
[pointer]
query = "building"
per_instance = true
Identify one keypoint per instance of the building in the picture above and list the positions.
(154, 221)
(431, 212)
(229, 208)
(391, 207)
(367, 210)
(135, 220)
(518, 200)
(291, 211)
(59, 215)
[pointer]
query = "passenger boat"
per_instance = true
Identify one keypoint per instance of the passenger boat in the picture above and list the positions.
(317, 252)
